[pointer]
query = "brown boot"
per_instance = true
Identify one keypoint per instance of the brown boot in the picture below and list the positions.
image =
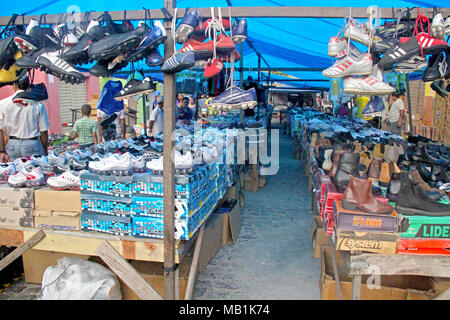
(385, 174)
(375, 168)
(416, 175)
(336, 156)
(358, 197)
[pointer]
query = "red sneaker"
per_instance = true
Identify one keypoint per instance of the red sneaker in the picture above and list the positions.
(202, 51)
(224, 43)
(430, 45)
(225, 22)
(213, 68)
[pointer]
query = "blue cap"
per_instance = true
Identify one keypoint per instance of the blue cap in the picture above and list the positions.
(157, 93)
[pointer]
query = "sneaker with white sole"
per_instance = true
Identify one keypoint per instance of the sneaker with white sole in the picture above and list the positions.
(138, 164)
(338, 47)
(179, 61)
(437, 27)
(27, 176)
(67, 181)
(358, 32)
(6, 170)
(413, 64)
(350, 65)
(50, 62)
(368, 85)
(120, 165)
(187, 25)
(235, 98)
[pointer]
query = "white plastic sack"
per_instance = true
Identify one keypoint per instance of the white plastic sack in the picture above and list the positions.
(78, 279)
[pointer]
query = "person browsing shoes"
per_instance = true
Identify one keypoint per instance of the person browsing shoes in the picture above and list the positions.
(157, 118)
(85, 129)
(25, 125)
(396, 114)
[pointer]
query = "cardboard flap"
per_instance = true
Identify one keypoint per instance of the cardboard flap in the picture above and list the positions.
(235, 223)
(42, 213)
(66, 213)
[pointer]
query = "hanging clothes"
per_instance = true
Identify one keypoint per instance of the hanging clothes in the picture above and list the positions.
(106, 101)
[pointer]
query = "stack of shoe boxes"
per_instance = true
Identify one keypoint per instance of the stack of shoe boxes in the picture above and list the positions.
(16, 206)
(133, 206)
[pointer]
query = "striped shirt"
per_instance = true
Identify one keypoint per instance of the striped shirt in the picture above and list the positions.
(85, 128)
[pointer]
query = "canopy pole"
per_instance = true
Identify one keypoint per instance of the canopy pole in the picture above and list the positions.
(241, 77)
(168, 165)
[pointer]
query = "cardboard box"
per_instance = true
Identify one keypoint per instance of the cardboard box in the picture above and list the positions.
(16, 197)
(57, 220)
(234, 191)
(319, 237)
(36, 261)
(440, 285)
(391, 287)
(376, 242)
(47, 199)
(16, 217)
(212, 240)
(231, 223)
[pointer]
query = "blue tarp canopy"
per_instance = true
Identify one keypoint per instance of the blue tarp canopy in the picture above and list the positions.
(283, 42)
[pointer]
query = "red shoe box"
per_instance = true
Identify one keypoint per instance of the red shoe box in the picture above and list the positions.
(424, 246)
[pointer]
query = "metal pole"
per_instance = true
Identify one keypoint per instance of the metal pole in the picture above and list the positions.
(168, 166)
(144, 99)
(409, 107)
(241, 77)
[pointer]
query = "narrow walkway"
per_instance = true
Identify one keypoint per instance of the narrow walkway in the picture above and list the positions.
(272, 258)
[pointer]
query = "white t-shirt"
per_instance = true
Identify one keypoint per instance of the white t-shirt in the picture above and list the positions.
(23, 122)
(120, 115)
(394, 111)
(157, 115)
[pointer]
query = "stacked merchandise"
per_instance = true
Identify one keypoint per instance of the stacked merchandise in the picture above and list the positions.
(374, 191)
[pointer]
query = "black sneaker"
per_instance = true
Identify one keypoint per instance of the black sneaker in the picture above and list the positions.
(149, 41)
(388, 31)
(37, 93)
(399, 53)
(114, 45)
(105, 68)
(37, 37)
(50, 62)
(7, 51)
(438, 86)
(437, 67)
(28, 61)
(382, 46)
(136, 87)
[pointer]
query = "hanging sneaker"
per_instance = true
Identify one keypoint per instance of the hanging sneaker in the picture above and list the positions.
(430, 45)
(401, 52)
(6, 170)
(11, 75)
(67, 37)
(338, 46)
(50, 62)
(439, 87)
(413, 64)
(7, 51)
(37, 93)
(224, 43)
(239, 31)
(36, 37)
(358, 32)
(213, 68)
(350, 65)
(202, 51)
(375, 107)
(388, 31)
(368, 85)
(179, 61)
(149, 42)
(154, 59)
(437, 68)
(187, 25)
(106, 68)
(383, 45)
(235, 98)
(67, 181)
(437, 27)
(27, 176)
(447, 26)
(135, 87)
(201, 28)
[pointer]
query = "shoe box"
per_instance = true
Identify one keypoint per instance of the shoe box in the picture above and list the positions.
(108, 205)
(92, 183)
(318, 236)
(106, 224)
(16, 206)
(404, 287)
(57, 220)
(230, 212)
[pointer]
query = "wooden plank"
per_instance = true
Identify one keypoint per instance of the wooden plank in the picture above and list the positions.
(38, 236)
(11, 237)
(126, 272)
(335, 271)
(402, 264)
(356, 287)
(238, 12)
(194, 265)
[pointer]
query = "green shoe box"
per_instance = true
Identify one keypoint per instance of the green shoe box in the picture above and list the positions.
(424, 227)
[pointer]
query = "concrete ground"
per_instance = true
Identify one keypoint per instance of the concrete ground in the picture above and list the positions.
(272, 257)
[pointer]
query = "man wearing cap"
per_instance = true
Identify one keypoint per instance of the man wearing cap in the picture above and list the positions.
(156, 95)
(156, 118)
(26, 126)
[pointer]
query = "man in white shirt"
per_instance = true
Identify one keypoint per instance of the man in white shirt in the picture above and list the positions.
(25, 127)
(157, 118)
(396, 114)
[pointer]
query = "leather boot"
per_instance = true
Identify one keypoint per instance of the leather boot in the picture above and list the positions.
(395, 185)
(385, 174)
(419, 153)
(348, 166)
(391, 154)
(438, 174)
(429, 190)
(375, 169)
(413, 200)
(336, 154)
(377, 151)
(358, 197)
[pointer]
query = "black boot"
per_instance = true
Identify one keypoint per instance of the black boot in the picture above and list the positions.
(348, 166)
(420, 154)
(412, 200)
(395, 186)
(438, 174)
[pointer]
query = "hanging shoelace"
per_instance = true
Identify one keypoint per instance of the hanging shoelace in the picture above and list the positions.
(421, 19)
(173, 29)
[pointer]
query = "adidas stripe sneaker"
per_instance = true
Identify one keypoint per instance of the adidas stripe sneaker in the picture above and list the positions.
(368, 85)
(350, 65)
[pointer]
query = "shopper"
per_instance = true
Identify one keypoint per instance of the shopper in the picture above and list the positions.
(26, 127)
(193, 106)
(85, 129)
(157, 118)
(184, 113)
(110, 112)
(396, 114)
(156, 95)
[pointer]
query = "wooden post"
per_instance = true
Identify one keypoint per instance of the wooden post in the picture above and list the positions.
(335, 271)
(409, 107)
(194, 265)
(20, 250)
(169, 166)
(356, 287)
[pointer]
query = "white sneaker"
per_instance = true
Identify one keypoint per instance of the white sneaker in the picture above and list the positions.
(185, 161)
(437, 27)
(84, 154)
(447, 26)
(66, 181)
(55, 159)
(338, 47)
(6, 170)
(114, 165)
(358, 32)
(368, 85)
(27, 176)
(138, 164)
(23, 162)
(350, 65)
(155, 164)
(210, 154)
